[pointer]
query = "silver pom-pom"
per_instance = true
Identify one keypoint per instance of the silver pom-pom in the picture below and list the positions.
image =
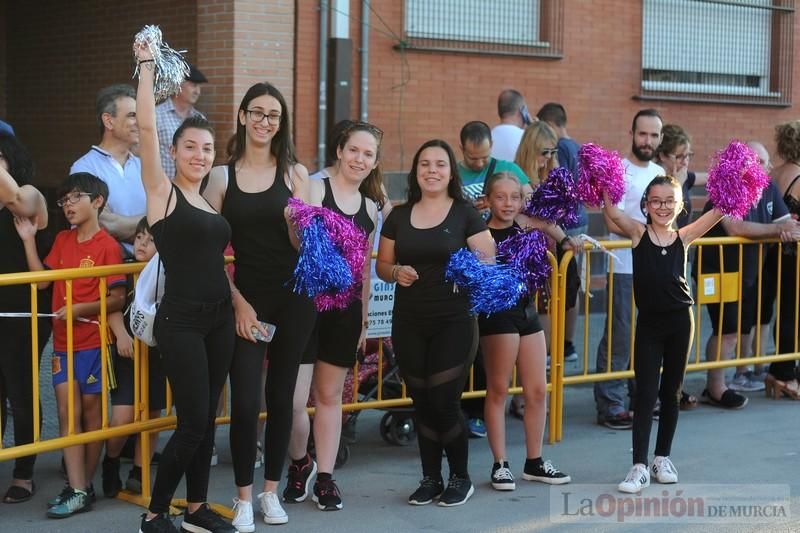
(170, 67)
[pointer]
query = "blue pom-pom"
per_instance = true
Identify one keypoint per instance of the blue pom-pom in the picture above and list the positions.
(492, 287)
(320, 267)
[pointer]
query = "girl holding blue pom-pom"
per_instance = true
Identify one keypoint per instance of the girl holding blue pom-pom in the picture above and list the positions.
(665, 322)
(434, 334)
(515, 337)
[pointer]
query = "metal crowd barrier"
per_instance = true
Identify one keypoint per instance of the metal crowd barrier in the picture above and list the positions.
(144, 425)
(728, 288)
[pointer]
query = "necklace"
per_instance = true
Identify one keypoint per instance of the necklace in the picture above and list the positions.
(658, 240)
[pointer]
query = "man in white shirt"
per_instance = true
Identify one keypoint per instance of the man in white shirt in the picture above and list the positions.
(113, 162)
(173, 111)
(514, 117)
(639, 172)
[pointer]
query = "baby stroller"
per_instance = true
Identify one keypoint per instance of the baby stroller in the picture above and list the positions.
(397, 424)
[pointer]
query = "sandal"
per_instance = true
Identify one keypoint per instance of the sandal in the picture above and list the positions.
(688, 401)
(17, 494)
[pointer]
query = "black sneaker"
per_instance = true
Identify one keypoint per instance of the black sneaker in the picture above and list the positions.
(134, 481)
(619, 421)
(458, 491)
(159, 524)
(570, 353)
(544, 472)
(429, 489)
(326, 495)
(502, 478)
(204, 520)
(112, 483)
(298, 479)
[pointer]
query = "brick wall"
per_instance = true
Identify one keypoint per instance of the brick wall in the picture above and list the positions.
(61, 53)
(419, 95)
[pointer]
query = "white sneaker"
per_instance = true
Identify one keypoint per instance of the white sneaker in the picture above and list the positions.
(271, 508)
(214, 457)
(742, 382)
(663, 470)
(637, 479)
(243, 516)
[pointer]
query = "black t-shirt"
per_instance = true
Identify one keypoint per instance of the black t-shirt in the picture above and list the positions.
(770, 207)
(429, 251)
(659, 279)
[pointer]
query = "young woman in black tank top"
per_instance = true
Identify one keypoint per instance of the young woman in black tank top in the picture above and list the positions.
(665, 323)
(194, 325)
(782, 378)
(252, 192)
(354, 190)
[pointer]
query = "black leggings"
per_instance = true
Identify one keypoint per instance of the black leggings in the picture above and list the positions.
(196, 345)
(16, 382)
(434, 359)
(661, 339)
(293, 316)
(785, 370)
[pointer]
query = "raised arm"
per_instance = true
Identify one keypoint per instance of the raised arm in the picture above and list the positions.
(630, 227)
(552, 229)
(700, 227)
(483, 244)
(24, 201)
(156, 184)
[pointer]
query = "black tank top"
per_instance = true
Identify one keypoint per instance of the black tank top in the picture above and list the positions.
(191, 243)
(659, 279)
(793, 204)
(360, 219)
(265, 258)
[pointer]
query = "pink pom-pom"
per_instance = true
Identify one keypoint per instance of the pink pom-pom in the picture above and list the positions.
(599, 170)
(736, 180)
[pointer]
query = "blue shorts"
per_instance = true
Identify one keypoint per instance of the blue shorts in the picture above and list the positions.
(86, 368)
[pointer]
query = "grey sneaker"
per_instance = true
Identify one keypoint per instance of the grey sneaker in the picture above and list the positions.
(743, 382)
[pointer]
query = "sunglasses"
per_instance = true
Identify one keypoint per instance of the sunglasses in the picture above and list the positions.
(549, 153)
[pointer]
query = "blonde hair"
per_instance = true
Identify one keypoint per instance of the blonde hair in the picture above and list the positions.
(537, 137)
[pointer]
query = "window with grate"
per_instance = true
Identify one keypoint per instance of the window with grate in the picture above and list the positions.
(727, 51)
(503, 27)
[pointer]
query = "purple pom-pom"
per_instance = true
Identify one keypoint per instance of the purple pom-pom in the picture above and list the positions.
(736, 180)
(320, 267)
(527, 253)
(492, 287)
(350, 243)
(599, 170)
(556, 199)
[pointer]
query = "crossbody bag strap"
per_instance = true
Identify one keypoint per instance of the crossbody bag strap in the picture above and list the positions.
(164, 228)
(489, 172)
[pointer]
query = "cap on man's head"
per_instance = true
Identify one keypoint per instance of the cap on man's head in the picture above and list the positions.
(195, 75)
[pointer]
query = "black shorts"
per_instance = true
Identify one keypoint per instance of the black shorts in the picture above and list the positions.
(522, 320)
(335, 336)
(123, 370)
(769, 284)
(730, 318)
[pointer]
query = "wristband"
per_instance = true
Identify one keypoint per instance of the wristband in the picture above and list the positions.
(139, 62)
(562, 241)
(395, 268)
(365, 323)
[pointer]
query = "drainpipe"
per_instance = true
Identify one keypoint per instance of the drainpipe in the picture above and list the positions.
(364, 60)
(323, 76)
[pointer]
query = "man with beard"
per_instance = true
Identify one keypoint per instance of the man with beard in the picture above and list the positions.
(639, 171)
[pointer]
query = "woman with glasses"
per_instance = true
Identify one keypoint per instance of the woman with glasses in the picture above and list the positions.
(537, 154)
(252, 192)
(674, 154)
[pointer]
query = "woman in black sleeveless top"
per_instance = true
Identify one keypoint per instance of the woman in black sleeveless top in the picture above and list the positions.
(665, 322)
(194, 325)
(354, 190)
(16, 370)
(782, 378)
(252, 192)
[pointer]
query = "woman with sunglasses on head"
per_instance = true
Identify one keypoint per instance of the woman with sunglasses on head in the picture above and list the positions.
(194, 325)
(252, 192)
(434, 333)
(674, 154)
(354, 191)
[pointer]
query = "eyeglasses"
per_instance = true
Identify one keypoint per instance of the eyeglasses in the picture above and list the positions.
(549, 152)
(72, 198)
(256, 115)
(658, 204)
(682, 157)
